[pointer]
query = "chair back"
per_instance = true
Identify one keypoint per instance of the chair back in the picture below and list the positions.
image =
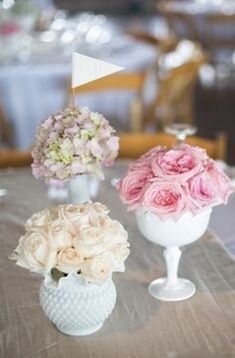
(136, 144)
(132, 82)
(163, 44)
(174, 99)
(181, 23)
(221, 30)
(6, 133)
(13, 158)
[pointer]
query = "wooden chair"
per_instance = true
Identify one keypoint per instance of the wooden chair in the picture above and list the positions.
(220, 31)
(181, 24)
(174, 99)
(136, 144)
(14, 158)
(132, 82)
(164, 44)
(6, 135)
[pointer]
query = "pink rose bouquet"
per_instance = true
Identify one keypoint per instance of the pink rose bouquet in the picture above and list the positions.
(72, 142)
(73, 238)
(170, 182)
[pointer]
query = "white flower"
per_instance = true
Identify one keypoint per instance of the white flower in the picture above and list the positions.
(59, 235)
(90, 242)
(115, 231)
(34, 254)
(74, 238)
(69, 260)
(38, 220)
(96, 117)
(99, 268)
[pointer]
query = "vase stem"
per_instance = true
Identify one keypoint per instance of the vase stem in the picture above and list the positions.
(172, 256)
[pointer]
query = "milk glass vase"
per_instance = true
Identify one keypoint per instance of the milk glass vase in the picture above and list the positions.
(78, 189)
(75, 307)
(171, 235)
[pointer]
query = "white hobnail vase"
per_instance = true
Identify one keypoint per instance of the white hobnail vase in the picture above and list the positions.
(78, 189)
(171, 235)
(76, 307)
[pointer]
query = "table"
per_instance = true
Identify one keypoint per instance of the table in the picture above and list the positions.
(140, 326)
(30, 92)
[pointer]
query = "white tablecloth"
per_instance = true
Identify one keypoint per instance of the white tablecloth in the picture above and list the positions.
(30, 92)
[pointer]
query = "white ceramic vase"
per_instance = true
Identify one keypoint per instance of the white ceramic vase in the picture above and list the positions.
(171, 235)
(78, 190)
(75, 307)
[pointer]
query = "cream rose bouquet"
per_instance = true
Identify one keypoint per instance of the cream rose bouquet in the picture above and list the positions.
(73, 238)
(73, 142)
(170, 182)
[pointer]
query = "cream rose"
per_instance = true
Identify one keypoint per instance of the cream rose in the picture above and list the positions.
(59, 235)
(99, 268)
(38, 220)
(34, 254)
(69, 260)
(91, 241)
(71, 212)
(113, 231)
(74, 216)
(73, 238)
(120, 253)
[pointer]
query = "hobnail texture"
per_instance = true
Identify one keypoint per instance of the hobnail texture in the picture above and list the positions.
(75, 307)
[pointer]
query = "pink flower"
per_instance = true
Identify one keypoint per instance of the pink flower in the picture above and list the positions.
(113, 144)
(202, 191)
(72, 142)
(178, 163)
(220, 180)
(165, 199)
(95, 148)
(131, 187)
(146, 159)
(170, 182)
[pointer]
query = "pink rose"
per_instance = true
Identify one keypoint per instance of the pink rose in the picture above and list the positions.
(146, 159)
(202, 191)
(165, 199)
(178, 163)
(220, 180)
(131, 187)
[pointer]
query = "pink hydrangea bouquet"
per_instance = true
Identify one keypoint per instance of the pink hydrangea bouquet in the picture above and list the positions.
(170, 182)
(82, 239)
(72, 142)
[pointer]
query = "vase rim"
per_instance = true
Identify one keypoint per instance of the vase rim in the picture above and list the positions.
(72, 278)
(142, 211)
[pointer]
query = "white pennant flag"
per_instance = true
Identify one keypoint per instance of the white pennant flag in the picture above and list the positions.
(87, 69)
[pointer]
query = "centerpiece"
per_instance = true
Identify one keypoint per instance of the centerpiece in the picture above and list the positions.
(76, 248)
(72, 144)
(172, 192)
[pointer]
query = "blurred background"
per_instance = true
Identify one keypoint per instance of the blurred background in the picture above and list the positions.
(179, 59)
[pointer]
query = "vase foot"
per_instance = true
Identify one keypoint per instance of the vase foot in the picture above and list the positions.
(183, 290)
(80, 332)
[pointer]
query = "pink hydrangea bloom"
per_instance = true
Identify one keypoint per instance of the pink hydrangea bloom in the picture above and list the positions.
(170, 182)
(72, 142)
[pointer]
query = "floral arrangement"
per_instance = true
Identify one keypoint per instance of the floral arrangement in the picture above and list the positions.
(73, 238)
(170, 182)
(72, 142)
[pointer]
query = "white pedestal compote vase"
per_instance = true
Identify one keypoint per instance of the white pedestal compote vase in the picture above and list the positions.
(171, 235)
